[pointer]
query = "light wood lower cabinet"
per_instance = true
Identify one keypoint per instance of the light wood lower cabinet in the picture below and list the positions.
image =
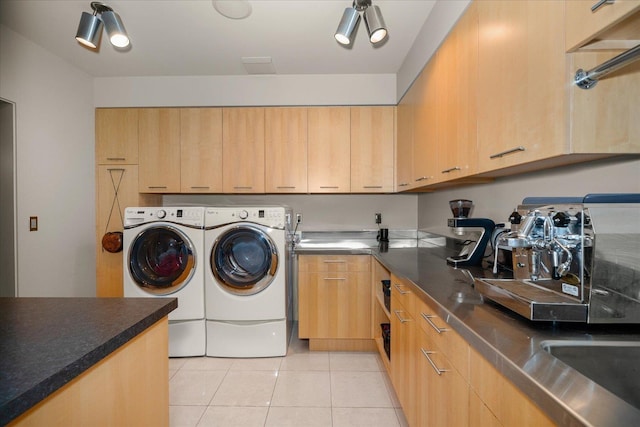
(334, 296)
(128, 388)
(404, 344)
(503, 399)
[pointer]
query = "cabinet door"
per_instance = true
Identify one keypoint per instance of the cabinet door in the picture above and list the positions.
(403, 357)
(329, 150)
(372, 137)
(124, 178)
(443, 393)
(425, 148)
(404, 142)
(584, 25)
(457, 75)
(159, 150)
(334, 301)
(201, 150)
(116, 136)
(522, 83)
(243, 150)
(286, 150)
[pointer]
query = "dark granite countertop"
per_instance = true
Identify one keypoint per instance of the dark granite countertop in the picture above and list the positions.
(47, 342)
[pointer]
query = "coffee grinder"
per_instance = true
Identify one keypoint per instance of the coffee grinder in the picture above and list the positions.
(473, 251)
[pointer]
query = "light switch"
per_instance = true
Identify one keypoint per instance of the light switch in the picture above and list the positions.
(33, 223)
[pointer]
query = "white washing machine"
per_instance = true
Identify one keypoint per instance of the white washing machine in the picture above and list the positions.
(247, 281)
(164, 258)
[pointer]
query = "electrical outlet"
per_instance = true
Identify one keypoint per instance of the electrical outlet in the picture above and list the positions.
(378, 218)
(298, 218)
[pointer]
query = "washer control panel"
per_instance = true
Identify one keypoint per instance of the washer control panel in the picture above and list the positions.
(192, 216)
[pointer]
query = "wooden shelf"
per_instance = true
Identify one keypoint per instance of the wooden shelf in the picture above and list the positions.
(383, 354)
(380, 299)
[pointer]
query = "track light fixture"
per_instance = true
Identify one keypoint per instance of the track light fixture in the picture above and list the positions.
(372, 18)
(90, 27)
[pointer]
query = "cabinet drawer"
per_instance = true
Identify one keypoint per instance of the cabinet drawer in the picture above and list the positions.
(334, 263)
(402, 291)
(612, 21)
(444, 338)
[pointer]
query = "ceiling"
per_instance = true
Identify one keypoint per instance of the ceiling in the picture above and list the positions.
(190, 38)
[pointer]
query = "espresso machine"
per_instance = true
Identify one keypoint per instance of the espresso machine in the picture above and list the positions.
(473, 250)
(574, 259)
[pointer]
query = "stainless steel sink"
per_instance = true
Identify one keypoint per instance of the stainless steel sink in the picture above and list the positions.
(614, 365)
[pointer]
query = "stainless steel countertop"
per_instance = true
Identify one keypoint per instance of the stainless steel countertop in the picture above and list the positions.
(512, 344)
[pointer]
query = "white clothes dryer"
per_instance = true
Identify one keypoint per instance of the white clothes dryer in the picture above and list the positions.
(248, 281)
(164, 258)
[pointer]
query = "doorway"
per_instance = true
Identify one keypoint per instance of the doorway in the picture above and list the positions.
(8, 282)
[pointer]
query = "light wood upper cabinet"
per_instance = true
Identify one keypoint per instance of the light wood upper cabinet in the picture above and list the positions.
(372, 140)
(404, 142)
(116, 136)
(159, 150)
(614, 21)
(329, 157)
(201, 150)
(286, 150)
(522, 100)
(457, 80)
(425, 136)
(243, 150)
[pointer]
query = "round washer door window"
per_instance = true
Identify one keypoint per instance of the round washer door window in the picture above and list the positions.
(244, 260)
(162, 260)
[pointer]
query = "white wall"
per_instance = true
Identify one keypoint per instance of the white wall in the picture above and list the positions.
(199, 91)
(498, 199)
(55, 168)
(325, 212)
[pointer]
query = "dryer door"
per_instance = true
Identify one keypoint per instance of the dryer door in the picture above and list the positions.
(244, 260)
(161, 260)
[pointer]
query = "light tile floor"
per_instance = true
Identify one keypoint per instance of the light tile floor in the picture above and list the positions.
(303, 389)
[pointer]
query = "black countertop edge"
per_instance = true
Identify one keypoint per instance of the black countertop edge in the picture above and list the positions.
(31, 397)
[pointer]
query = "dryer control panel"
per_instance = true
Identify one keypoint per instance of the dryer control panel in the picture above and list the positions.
(269, 216)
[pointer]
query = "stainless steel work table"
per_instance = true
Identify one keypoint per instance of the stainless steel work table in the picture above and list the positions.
(509, 342)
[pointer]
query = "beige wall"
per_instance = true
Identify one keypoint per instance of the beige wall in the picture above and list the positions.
(498, 199)
(325, 212)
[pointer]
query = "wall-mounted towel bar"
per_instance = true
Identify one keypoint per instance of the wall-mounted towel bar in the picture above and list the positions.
(588, 79)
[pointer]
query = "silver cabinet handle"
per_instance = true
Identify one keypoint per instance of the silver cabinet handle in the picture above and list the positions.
(402, 292)
(202, 187)
(119, 159)
(404, 184)
(116, 170)
(372, 186)
(431, 362)
(329, 186)
(242, 188)
(157, 187)
(400, 318)
(286, 187)
(455, 168)
(334, 261)
(334, 278)
(422, 178)
(428, 317)
(600, 4)
(504, 153)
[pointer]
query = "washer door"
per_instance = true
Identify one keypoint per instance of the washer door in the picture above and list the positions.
(161, 260)
(244, 260)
